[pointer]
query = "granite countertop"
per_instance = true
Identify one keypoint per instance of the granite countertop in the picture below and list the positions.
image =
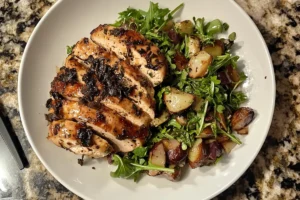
(275, 172)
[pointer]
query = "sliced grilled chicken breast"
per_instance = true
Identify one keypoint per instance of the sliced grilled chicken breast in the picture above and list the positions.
(78, 139)
(130, 44)
(121, 132)
(142, 91)
(72, 91)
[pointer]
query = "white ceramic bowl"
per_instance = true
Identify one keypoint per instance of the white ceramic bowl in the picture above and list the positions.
(70, 20)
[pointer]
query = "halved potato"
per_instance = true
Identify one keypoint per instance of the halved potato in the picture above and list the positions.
(241, 118)
(199, 64)
(175, 154)
(185, 27)
(217, 49)
(196, 154)
(180, 61)
(161, 119)
(193, 45)
(177, 100)
(157, 157)
(228, 146)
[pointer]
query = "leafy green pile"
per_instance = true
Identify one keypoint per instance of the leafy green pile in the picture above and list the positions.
(216, 97)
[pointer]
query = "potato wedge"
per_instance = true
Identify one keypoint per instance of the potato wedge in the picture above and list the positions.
(193, 45)
(161, 119)
(199, 64)
(177, 101)
(184, 27)
(175, 154)
(217, 49)
(196, 154)
(241, 118)
(228, 146)
(157, 157)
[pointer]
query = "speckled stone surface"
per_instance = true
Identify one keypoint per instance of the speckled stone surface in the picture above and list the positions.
(275, 172)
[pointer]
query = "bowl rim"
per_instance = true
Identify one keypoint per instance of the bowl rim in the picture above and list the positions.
(43, 161)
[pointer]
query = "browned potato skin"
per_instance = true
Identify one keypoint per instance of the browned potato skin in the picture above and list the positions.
(242, 118)
(206, 133)
(180, 61)
(243, 131)
(222, 138)
(221, 119)
(233, 74)
(215, 50)
(196, 154)
(175, 154)
(173, 176)
(157, 153)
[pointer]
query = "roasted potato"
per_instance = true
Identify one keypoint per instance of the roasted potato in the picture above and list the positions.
(206, 133)
(173, 176)
(161, 119)
(243, 131)
(241, 118)
(196, 154)
(198, 64)
(175, 154)
(168, 26)
(177, 101)
(193, 45)
(228, 146)
(181, 120)
(233, 74)
(180, 61)
(217, 49)
(222, 121)
(157, 157)
(185, 27)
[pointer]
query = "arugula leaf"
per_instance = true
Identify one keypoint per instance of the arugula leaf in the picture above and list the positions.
(144, 21)
(159, 97)
(69, 49)
(124, 169)
(128, 169)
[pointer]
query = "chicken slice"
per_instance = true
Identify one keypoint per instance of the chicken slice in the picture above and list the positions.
(130, 44)
(142, 91)
(78, 139)
(121, 132)
(72, 91)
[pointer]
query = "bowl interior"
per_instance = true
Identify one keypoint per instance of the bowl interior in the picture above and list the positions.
(70, 20)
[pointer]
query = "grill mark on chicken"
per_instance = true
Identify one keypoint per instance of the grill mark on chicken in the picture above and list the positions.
(125, 107)
(117, 129)
(142, 92)
(78, 138)
(141, 52)
(87, 51)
